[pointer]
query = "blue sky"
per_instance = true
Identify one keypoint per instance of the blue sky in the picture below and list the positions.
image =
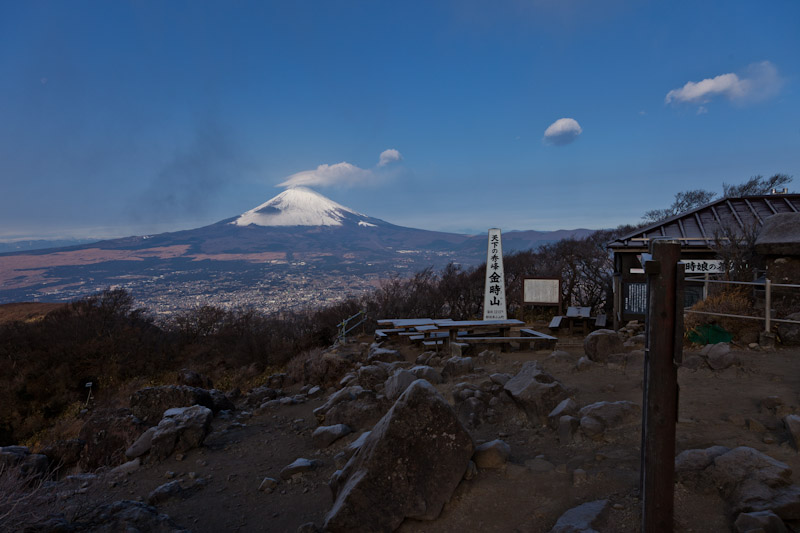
(121, 118)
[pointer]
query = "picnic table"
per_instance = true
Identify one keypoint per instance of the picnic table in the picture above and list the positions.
(577, 320)
(475, 326)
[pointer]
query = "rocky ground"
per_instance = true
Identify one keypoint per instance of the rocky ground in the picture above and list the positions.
(517, 441)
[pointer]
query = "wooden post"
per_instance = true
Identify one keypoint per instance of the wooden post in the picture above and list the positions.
(767, 305)
(663, 354)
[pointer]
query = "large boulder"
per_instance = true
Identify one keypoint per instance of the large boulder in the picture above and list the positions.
(354, 406)
(599, 344)
(609, 420)
(720, 356)
(536, 391)
(181, 429)
(397, 383)
(107, 434)
(408, 466)
(150, 403)
(457, 366)
(583, 518)
(123, 516)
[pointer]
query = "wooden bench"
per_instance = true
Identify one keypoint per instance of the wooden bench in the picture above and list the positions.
(505, 341)
(541, 342)
(555, 323)
(383, 334)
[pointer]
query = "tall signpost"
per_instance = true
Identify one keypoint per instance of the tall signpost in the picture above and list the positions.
(494, 298)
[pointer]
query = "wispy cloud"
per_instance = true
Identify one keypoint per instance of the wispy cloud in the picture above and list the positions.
(562, 131)
(342, 174)
(758, 82)
(389, 156)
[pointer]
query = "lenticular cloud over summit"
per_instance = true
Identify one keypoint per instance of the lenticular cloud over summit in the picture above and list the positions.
(341, 174)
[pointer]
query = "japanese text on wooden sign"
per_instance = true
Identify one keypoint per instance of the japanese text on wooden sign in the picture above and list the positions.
(702, 266)
(494, 299)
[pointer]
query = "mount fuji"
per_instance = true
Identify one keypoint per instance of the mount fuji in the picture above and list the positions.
(297, 241)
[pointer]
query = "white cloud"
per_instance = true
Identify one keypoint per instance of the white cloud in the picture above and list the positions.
(759, 81)
(344, 174)
(562, 131)
(389, 156)
(326, 175)
(702, 110)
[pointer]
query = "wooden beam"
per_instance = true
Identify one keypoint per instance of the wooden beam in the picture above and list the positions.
(790, 204)
(735, 214)
(752, 210)
(769, 204)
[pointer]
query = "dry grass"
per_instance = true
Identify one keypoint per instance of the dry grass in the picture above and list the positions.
(735, 301)
(24, 500)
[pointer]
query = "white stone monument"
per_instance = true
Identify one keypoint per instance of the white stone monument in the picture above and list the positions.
(494, 299)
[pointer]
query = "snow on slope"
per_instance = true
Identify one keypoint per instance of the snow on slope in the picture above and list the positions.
(298, 206)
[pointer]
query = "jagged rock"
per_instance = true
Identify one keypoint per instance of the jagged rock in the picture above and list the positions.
(181, 429)
(268, 485)
(277, 381)
(471, 411)
(64, 453)
(409, 465)
(150, 403)
(397, 383)
(792, 423)
(385, 355)
(748, 479)
(142, 444)
(21, 457)
(790, 333)
(299, 466)
(260, 395)
(315, 392)
(126, 468)
(164, 492)
(354, 406)
(765, 521)
(606, 420)
(500, 378)
(220, 401)
(487, 357)
(567, 426)
(493, 454)
(457, 366)
(371, 375)
(566, 407)
(107, 434)
(536, 392)
(190, 378)
(598, 345)
(125, 516)
(324, 436)
(424, 358)
(720, 357)
(429, 374)
(587, 517)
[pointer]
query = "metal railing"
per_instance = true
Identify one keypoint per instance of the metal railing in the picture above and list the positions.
(344, 326)
(768, 286)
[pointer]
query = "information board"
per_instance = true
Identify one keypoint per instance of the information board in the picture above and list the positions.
(541, 291)
(635, 298)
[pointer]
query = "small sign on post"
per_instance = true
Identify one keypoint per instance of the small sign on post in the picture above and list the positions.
(494, 298)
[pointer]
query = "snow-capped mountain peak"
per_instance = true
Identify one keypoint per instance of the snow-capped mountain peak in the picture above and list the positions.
(298, 206)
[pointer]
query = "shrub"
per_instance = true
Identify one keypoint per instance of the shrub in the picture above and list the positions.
(735, 301)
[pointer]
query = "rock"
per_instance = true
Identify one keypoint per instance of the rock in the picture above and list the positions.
(371, 376)
(220, 401)
(150, 403)
(598, 345)
(315, 392)
(353, 406)
(190, 378)
(385, 355)
(142, 444)
(164, 492)
(539, 464)
(126, 468)
(268, 485)
(324, 436)
(397, 383)
(126, 516)
(107, 434)
(720, 356)
(587, 517)
(584, 363)
(607, 420)
(408, 467)
(308, 527)
(536, 392)
(261, 395)
(299, 466)
(429, 374)
(765, 521)
(566, 407)
(472, 471)
(487, 357)
(790, 333)
(579, 476)
(792, 423)
(567, 426)
(493, 454)
(64, 453)
(690, 461)
(181, 429)
(771, 403)
(457, 366)
(500, 378)
(20, 457)
(694, 362)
